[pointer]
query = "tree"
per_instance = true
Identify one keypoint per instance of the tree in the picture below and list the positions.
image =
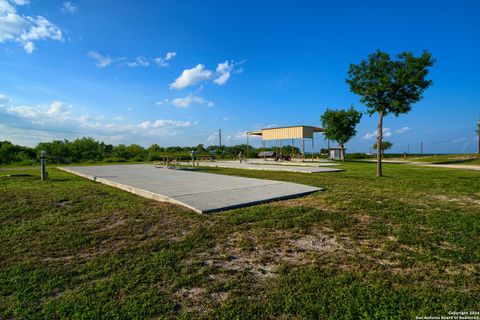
(339, 125)
(390, 86)
(386, 145)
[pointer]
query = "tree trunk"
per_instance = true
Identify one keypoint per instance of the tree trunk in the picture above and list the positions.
(379, 145)
(342, 151)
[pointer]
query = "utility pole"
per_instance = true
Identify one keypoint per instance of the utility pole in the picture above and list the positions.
(478, 133)
(408, 149)
(220, 138)
(421, 148)
(43, 162)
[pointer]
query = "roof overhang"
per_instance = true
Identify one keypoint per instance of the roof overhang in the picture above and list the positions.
(290, 132)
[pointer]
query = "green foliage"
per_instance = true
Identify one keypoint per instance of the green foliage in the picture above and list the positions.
(390, 86)
(339, 125)
(10, 153)
(386, 145)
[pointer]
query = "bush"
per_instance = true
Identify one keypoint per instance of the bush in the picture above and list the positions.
(114, 159)
(28, 162)
(137, 158)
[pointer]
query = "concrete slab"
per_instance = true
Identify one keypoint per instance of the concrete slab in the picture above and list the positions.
(268, 167)
(201, 192)
(307, 163)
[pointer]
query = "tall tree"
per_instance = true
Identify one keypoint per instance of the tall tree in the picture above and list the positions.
(339, 125)
(390, 86)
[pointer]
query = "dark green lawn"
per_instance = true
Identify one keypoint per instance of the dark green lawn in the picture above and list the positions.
(401, 246)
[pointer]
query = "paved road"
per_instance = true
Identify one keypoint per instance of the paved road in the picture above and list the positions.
(201, 192)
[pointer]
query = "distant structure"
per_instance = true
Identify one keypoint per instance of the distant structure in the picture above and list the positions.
(290, 133)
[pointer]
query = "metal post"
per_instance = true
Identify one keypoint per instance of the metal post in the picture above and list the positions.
(303, 149)
(281, 150)
(220, 138)
(43, 162)
(246, 154)
(313, 150)
(293, 149)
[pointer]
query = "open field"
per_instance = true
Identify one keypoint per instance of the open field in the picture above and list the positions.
(467, 159)
(396, 247)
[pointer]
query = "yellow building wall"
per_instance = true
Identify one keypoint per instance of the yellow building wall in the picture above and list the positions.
(298, 132)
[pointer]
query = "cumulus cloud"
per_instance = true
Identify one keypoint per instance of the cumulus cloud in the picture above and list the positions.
(25, 29)
(402, 130)
(68, 7)
(189, 100)
(199, 74)
(162, 61)
(61, 117)
(370, 135)
(191, 77)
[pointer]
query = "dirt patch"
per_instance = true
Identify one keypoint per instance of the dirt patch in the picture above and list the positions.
(197, 299)
(463, 200)
(261, 253)
(114, 224)
(318, 243)
(63, 202)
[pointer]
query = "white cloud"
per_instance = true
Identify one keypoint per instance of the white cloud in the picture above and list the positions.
(61, 119)
(29, 47)
(139, 62)
(101, 60)
(162, 123)
(241, 135)
(161, 102)
(386, 134)
(162, 62)
(402, 130)
(212, 137)
(200, 74)
(223, 73)
(170, 55)
(25, 29)
(58, 109)
(189, 100)
(191, 77)
(68, 7)
(21, 2)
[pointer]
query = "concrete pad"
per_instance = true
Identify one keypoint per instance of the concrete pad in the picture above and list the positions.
(201, 192)
(307, 163)
(268, 167)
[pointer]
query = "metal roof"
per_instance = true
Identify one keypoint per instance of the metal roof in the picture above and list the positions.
(289, 132)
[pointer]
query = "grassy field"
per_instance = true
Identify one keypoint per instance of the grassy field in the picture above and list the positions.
(396, 247)
(473, 159)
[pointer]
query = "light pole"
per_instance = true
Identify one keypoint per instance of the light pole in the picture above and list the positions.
(478, 133)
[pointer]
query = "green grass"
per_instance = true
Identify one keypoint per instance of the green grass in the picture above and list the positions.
(396, 247)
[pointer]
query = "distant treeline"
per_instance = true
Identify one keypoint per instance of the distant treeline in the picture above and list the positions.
(90, 150)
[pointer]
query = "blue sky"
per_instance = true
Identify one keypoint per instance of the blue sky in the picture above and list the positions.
(174, 72)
